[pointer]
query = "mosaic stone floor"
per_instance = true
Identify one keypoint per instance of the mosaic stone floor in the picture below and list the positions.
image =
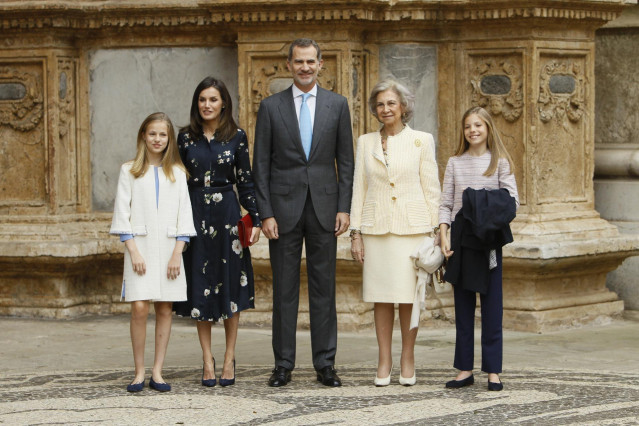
(533, 397)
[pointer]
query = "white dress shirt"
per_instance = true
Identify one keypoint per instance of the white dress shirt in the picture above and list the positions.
(310, 102)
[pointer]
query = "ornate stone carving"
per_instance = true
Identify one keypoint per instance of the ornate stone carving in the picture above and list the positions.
(40, 15)
(358, 101)
(272, 73)
(563, 129)
(21, 114)
(554, 103)
(66, 94)
(509, 104)
(399, 11)
(66, 149)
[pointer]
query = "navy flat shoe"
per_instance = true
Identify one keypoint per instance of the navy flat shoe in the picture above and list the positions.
(228, 382)
(210, 382)
(492, 386)
(456, 384)
(160, 387)
(135, 387)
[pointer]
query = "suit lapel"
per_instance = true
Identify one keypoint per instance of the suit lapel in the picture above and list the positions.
(289, 118)
(322, 108)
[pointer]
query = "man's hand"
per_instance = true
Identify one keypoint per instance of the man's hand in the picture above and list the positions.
(342, 220)
(269, 227)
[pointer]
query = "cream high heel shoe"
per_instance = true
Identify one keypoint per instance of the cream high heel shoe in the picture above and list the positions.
(384, 381)
(408, 381)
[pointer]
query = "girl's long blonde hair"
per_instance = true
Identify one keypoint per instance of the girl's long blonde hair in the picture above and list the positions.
(170, 157)
(493, 141)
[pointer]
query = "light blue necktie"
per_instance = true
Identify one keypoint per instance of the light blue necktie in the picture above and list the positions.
(306, 128)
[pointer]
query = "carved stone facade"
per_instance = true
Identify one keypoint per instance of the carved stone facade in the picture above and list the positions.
(263, 72)
(506, 106)
(617, 140)
(22, 132)
(530, 63)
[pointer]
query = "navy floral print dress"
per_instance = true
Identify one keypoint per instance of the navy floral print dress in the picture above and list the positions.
(219, 273)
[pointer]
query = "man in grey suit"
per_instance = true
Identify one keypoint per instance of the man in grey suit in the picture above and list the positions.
(303, 172)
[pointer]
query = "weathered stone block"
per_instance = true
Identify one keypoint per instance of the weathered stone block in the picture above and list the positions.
(129, 84)
(414, 65)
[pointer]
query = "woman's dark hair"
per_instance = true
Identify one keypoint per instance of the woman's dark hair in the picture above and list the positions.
(227, 126)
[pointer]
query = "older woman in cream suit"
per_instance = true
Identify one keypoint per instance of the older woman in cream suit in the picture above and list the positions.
(395, 204)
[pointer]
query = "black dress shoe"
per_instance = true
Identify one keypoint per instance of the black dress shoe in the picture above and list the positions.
(328, 376)
(492, 386)
(454, 384)
(280, 377)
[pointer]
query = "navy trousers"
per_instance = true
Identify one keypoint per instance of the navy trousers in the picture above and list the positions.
(492, 309)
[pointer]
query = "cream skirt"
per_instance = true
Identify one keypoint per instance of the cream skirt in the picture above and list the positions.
(389, 274)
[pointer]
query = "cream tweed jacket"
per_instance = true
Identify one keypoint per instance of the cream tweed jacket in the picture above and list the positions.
(401, 198)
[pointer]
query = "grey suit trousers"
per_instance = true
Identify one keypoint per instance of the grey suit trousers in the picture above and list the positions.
(286, 252)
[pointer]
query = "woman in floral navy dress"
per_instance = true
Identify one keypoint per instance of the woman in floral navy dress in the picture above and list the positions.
(218, 270)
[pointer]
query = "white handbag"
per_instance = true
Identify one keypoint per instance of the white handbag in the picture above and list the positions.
(427, 258)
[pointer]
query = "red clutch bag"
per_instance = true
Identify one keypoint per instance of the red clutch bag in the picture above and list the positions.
(244, 229)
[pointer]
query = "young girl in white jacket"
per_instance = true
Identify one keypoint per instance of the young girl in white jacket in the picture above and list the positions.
(152, 215)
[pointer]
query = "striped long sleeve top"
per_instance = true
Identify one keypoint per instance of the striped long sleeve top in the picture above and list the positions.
(466, 171)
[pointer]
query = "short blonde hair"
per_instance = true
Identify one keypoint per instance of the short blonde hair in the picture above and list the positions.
(406, 98)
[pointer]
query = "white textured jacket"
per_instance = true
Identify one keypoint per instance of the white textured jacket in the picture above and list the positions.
(155, 230)
(402, 198)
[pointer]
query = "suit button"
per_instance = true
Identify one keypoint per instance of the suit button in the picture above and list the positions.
(392, 184)
(394, 198)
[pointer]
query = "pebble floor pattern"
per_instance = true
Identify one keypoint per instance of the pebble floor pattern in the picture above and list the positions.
(533, 397)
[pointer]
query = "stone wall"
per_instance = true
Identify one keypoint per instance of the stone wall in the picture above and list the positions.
(415, 65)
(617, 140)
(129, 84)
(76, 79)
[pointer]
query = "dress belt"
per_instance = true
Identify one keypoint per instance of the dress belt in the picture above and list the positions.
(226, 188)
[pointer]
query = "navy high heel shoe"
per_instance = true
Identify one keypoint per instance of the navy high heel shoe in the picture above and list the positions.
(210, 382)
(228, 382)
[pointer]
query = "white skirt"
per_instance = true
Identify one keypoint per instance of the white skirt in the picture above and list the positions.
(389, 275)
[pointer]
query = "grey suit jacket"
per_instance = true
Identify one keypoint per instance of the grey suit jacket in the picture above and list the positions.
(281, 172)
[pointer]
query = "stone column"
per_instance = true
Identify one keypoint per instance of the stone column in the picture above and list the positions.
(617, 140)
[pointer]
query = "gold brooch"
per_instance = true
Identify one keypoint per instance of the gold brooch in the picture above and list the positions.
(418, 142)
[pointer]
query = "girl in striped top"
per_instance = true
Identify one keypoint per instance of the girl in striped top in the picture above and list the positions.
(481, 162)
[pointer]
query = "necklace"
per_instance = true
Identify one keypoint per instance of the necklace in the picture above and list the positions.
(384, 147)
(384, 136)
